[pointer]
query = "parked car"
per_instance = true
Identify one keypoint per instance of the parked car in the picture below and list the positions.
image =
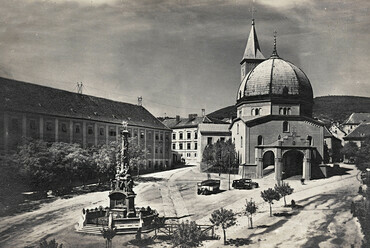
(244, 183)
(208, 187)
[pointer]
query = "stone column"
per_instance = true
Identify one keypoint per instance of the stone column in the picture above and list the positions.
(70, 131)
(278, 164)
(95, 134)
(106, 134)
(84, 134)
(6, 131)
(41, 128)
(259, 162)
(56, 130)
(307, 165)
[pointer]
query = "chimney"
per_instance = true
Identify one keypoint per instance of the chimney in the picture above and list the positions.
(203, 112)
(140, 101)
(177, 118)
(192, 116)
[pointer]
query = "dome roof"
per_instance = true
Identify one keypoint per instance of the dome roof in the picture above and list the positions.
(275, 78)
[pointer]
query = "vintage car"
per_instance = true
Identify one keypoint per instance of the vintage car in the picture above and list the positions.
(244, 183)
(208, 187)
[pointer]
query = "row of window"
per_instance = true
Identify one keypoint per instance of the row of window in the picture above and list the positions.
(49, 127)
(181, 146)
(258, 111)
(188, 155)
(285, 111)
(157, 150)
(254, 112)
(188, 135)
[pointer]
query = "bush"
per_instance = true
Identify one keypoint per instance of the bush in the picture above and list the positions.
(188, 234)
(49, 244)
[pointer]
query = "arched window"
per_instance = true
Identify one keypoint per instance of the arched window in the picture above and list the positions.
(310, 141)
(237, 128)
(284, 111)
(285, 127)
(260, 140)
(257, 111)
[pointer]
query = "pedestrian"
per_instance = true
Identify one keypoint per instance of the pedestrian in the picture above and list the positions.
(292, 204)
(302, 181)
(352, 207)
(360, 190)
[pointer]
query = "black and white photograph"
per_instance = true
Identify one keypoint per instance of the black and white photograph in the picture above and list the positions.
(184, 123)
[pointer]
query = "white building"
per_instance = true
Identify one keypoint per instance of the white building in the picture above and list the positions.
(191, 135)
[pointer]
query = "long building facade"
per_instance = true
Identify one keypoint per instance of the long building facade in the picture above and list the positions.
(53, 115)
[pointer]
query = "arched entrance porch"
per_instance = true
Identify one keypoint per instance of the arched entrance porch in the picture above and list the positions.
(268, 163)
(292, 164)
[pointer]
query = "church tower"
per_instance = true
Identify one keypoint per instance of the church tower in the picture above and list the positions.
(252, 54)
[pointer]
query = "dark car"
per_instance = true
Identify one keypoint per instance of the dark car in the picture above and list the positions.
(208, 187)
(244, 183)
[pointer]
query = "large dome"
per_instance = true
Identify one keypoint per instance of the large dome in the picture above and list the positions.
(276, 79)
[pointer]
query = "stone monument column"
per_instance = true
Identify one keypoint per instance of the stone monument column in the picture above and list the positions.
(307, 165)
(125, 168)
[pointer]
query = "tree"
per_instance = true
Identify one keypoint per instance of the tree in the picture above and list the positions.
(108, 157)
(35, 164)
(108, 234)
(350, 150)
(362, 157)
(137, 155)
(269, 196)
(224, 218)
(250, 209)
(106, 161)
(188, 234)
(221, 155)
(284, 189)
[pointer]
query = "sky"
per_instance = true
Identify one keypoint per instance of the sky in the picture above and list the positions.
(181, 55)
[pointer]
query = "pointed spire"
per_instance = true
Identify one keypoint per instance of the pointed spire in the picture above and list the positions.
(274, 52)
(252, 49)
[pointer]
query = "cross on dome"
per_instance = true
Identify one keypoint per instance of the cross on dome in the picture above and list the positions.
(274, 52)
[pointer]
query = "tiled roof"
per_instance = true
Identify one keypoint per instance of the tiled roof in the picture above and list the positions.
(32, 98)
(211, 127)
(327, 133)
(190, 122)
(359, 132)
(276, 77)
(357, 118)
(267, 118)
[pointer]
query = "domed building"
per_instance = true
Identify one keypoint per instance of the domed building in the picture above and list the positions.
(274, 130)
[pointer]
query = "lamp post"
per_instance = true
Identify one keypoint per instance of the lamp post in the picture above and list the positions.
(229, 167)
